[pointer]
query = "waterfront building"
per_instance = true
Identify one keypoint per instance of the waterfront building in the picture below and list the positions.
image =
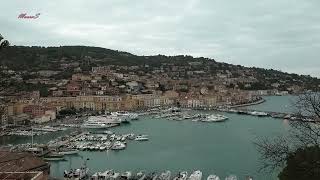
(48, 115)
(20, 119)
(17, 108)
(37, 110)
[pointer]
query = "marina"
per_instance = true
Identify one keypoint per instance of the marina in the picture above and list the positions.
(81, 141)
(167, 145)
(34, 131)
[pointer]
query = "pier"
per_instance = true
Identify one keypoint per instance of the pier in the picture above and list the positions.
(273, 114)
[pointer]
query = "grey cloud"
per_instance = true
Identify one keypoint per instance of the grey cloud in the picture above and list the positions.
(266, 33)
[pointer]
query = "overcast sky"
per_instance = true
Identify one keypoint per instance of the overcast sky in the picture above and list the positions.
(279, 34)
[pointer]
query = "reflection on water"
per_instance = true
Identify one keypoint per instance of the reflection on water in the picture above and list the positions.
(286, 123)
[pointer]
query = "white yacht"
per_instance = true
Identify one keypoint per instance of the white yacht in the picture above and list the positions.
(215, 118)
(98, 125)
(165, 175)
(105, 175)
(142, 138)
(141, 175)
(182, 176)
(108, 132)
(95, 176)
(76, 174)
(257, 113)
(101, 122)
(118, 146)
(114, 176)
(126, 175)
(102, 148)
(125, 116)
(213, 177)
(196, 175)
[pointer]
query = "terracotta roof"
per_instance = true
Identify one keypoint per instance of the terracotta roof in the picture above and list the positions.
(20, 161)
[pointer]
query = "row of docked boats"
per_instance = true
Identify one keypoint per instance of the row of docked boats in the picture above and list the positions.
(180, 116)
(77, 174)
(106, 145)
(26, 133)
(35, 131)
(109, 120)
(60, 153)
(102, 141)
(49, 128)
(244, 111)
(117, 145)
(166, 175)
(278, 115)
(215, 118)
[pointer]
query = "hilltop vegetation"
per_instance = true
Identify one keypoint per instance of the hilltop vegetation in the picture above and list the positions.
(17, 57)
(21, 58)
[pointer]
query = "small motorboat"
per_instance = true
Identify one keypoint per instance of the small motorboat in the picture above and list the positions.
(105, 175)
(231, 177)
(118, 146)
(196, 175)
(140, 176)
(102, 148)
(95, 176)
(142, 138)
(130, 136)
(215, 118)
(114, 176)
(126, 175)
(81, 173)
(165, 175)
(213, 177)
(181, 176)
(76, 174)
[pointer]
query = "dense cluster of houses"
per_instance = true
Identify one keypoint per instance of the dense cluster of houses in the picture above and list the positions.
(113, 88)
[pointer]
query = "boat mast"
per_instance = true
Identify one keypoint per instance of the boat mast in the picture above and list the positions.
(31, 137)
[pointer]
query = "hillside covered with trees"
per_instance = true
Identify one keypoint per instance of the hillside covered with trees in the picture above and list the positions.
(32, 59)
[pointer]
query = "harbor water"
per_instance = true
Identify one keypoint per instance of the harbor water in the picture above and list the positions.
(214, 148)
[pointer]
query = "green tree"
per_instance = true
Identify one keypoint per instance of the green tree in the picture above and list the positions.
(302, 164)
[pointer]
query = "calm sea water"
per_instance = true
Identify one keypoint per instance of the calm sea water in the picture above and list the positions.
(219, 148)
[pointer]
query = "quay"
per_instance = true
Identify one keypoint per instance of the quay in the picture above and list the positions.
(277, 115)
(249, 104)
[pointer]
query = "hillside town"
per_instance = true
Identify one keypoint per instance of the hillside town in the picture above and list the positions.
(159, 90)
(193, 84)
